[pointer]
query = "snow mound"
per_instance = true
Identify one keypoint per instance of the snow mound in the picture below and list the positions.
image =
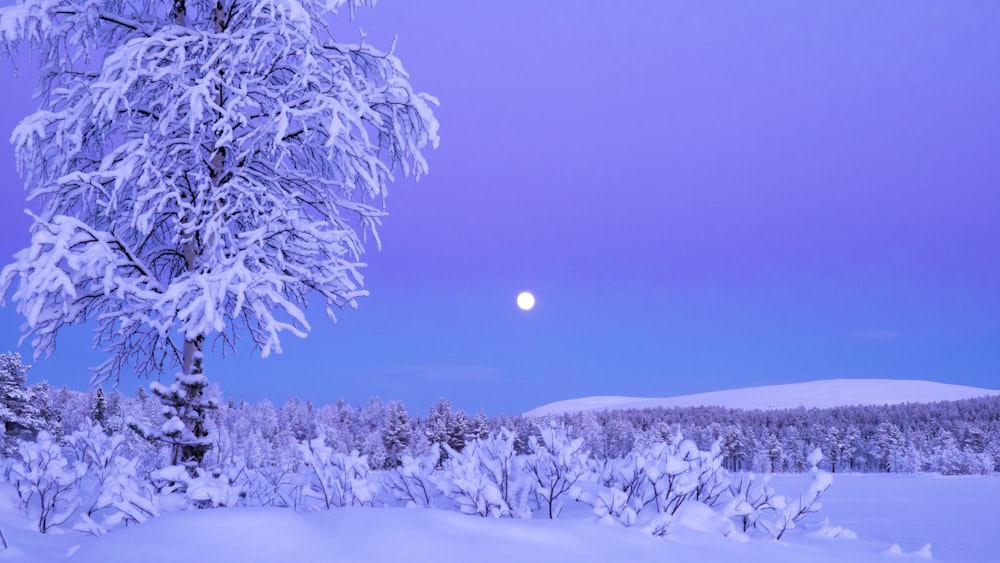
(826, 393)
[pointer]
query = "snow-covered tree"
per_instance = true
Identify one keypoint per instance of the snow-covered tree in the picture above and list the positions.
(441, 428)
(297, 417)
(890, 447)
(20, 416)
(735, 447)
(478, 428)
(775, 454)
(200, 168)
(99, 407)
(396, 434)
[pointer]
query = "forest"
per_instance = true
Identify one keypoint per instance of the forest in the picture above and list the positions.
(947, 437)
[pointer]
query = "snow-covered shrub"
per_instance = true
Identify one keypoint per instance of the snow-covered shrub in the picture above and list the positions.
(670, 476)
(334, 479)
(612, 507)
(657, 479)
(411, 482)
(463, 481)
(214, 488)
(97, 450)
(712, 478)
(120, 494)
(269, 485)
(124, 498)
(556, 463)
(662, 482)
(751, 498)
(486, 478)
(788, 512)
(501, 464)
(658, 484)
(46, 482)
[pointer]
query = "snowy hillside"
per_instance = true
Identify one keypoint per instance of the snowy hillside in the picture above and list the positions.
(827, 393)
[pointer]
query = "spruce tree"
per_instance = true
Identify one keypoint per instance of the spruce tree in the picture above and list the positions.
(99, 408)
(19, 405)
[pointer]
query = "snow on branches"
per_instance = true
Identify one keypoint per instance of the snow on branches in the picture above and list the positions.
(201, 169)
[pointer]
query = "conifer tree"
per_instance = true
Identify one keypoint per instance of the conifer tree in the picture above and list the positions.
(19, 413)
(99, 407)
(396, 433)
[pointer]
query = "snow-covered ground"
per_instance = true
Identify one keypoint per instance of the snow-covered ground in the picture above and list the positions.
(827, 393)
(953, 514)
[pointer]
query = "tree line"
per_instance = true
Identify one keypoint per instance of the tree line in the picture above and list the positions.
(949, 437)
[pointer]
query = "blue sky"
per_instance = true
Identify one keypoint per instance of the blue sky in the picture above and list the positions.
(701, 195)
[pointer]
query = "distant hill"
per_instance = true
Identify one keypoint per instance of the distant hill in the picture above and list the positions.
(827, 393)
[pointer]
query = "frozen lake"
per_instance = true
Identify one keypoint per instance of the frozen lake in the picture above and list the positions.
(956, 515)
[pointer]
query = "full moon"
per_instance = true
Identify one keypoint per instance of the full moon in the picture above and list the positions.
(525, 300)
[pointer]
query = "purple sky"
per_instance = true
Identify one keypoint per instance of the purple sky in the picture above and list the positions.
(701, 195)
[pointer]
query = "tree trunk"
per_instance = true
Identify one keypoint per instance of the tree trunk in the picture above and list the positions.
(186, 399)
